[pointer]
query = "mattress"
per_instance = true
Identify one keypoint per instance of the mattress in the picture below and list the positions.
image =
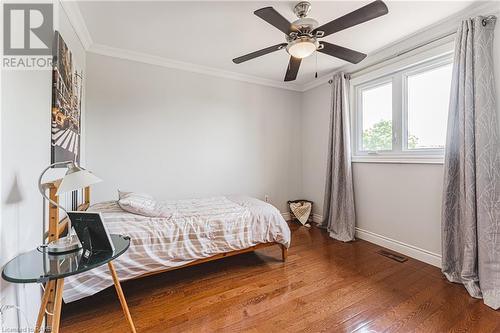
(197, 228)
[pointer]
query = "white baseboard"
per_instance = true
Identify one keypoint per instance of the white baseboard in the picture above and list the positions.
(431, 258)
(318, 219)
(428, 257)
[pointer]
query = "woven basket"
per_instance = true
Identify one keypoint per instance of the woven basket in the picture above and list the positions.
(301, 211)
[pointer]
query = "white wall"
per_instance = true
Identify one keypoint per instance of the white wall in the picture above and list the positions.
(315, 105)
(401, 202)
(177, 134)
(25, 151)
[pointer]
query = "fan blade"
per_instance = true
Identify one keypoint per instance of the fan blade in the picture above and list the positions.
(363, 14)
(271, 16)
(293, 69)
(342, 52)
(259, 53)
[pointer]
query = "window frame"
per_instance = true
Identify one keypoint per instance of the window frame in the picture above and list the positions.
(415, 70)
(397, 73)
(359, 101)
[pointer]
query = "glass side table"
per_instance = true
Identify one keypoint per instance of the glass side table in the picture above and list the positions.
(38, 266)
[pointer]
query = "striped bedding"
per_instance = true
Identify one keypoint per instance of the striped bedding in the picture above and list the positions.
(198, 228)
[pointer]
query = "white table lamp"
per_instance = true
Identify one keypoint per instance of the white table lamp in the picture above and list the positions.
(75, 178)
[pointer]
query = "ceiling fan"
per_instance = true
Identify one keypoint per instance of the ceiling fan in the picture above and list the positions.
(302, 35)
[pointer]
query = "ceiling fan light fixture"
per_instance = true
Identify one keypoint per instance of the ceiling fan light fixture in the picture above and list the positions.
(302, 35)
(302, 47)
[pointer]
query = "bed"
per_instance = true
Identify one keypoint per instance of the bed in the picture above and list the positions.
(197, 231)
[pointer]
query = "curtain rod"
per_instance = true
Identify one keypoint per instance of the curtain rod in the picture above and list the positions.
(402, 53)
(488, 19)
(485, 21)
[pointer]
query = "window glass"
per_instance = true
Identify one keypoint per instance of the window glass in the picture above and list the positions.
(428, 96)
(377, 117)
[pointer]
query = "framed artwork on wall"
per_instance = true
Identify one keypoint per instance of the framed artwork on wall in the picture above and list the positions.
(67, 83)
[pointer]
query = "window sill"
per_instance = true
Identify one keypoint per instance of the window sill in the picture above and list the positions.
(399, 159)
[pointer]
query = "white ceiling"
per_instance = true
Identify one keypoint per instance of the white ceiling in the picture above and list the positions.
(212, 33)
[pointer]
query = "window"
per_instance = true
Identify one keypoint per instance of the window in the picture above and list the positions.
(376, 104)
(400, 113)
(427, 107)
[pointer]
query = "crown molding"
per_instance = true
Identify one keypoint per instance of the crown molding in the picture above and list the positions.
(76, 19)
(185, 66)
(319, 81)
(446, 25)
(437, 29)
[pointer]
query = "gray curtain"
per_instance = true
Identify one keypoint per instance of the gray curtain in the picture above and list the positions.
(338, 208)
(471, 198)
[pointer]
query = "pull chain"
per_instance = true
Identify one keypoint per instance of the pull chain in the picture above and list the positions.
(316, 74)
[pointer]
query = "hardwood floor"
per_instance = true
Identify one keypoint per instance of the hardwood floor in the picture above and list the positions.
(325, 286)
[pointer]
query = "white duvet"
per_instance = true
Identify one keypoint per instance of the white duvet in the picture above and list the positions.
(197, 228)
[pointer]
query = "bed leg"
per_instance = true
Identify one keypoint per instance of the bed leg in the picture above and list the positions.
(284, 252)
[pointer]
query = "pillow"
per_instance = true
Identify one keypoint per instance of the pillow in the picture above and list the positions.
(123, 194)
(140, 204)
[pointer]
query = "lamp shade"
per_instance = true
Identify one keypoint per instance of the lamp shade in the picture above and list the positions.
(75, 179)
(302, 47)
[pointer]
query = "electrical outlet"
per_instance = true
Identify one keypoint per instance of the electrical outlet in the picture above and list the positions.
(266, 198)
